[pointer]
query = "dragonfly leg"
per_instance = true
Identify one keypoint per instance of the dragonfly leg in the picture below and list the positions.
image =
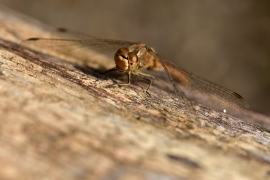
(147, 77)
(115, 69)
(128, 83)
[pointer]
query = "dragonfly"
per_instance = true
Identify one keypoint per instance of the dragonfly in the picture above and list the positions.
(131, 58)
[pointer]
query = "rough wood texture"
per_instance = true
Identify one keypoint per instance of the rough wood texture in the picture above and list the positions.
(60, 121)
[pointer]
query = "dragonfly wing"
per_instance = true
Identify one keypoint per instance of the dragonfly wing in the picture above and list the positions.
(94, 44)
(86, 52)
(215, 96)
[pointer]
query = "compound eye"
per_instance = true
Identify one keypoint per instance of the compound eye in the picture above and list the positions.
(121, 59)
(123, 52)
(132, 58)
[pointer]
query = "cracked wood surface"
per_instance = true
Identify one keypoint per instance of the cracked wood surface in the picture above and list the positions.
(61, 120)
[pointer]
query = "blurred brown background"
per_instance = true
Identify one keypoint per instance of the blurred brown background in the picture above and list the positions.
(227, 42)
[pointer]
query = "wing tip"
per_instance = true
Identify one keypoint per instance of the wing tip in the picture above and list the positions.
(32, 39)
(60, 29)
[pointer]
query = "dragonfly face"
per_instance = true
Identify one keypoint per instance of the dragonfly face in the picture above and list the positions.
(135, 57)
(125, 60)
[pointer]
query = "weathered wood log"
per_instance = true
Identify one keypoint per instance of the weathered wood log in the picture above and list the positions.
(61, 120)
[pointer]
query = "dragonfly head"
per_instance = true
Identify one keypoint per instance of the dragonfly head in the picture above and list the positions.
(125, 60)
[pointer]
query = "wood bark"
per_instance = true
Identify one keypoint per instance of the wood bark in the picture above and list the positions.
(61, 120)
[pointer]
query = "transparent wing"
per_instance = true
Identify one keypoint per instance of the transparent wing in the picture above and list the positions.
(202, 90)
(74, 43)
(94, 44)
